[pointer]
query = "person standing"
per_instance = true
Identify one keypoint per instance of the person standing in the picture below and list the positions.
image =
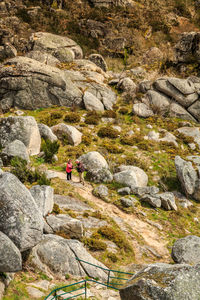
(69, 168)
(80, 168)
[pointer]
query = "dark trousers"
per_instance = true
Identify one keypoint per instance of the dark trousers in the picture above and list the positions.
(69, 176)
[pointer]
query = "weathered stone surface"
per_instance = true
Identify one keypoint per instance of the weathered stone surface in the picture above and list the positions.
(93, 160)
(43, 196)
(30, 84)
(126, 202)
(10, 256)
(51, 43)
(65, 224)
(140, 191)
(66, 202)
(182, 200)
(187, 48)
(46, 133)
(24, 129)
(73, 135)
(7, 51)
(168, 201)
(56, 255)
(43, 57)
(13, 149)
(178, 111)
(99, 61)
(101, 191)
(92, 103)
(100, 175)
(154, 200)
(163, 281)
(142, 110)
(20, 218)
(158, 101)
(131, 176)
(127, 85)
(91, 223)
(187, 250)
(196, 194)
(124, 191)
(194, 110)
(186, 174)
(192, 132)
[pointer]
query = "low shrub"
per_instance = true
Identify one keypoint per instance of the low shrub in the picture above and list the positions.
(24, 174)
(116, 237)
(95, 244)
(127, 140)
(50, 149)
(56, 209)
(55, 115)
(92, 118)
(108, 132)
(87, 140)
(109, 114)
(112, 256)
(123, 110)
(112, 148)
(74, 151)
(72, 117)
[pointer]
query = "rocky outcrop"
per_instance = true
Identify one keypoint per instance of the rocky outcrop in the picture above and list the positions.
(20, 218)
(43, 196)
(187, 50)
(73, 135)
(165, 200)
(55, 45)
(10, 256)
(56, 255)
(13, 149)
(163, 281)
(97, 167)
(66, 225)
(29, 84)
(99, 61)
(131, 176)
(46, 133)
(24, 129)
(43, 57)
(187, 250)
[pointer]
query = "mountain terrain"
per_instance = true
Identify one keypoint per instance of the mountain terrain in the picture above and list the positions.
(114, 84)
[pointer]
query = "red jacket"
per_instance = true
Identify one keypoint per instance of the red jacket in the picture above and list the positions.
(69, 167)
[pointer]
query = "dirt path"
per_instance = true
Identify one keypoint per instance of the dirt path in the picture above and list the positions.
(152, 238)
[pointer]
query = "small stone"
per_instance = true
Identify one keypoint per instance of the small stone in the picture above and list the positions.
(124, 191)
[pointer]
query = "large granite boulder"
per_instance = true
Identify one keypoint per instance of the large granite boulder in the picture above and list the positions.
(131, 176)
(13, 149)
(20, 218)
(187, 250)
(163, 281)
(158, 101)
(54, 44)
(97, 167)
(30, 84)
(24, 129)
(65, 224)
(56, 255)
(73, 135)
(46, 133)
(44, 198)
(142, 110)
(10, 256)
(186, 175)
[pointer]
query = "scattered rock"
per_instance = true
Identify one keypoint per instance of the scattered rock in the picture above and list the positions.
(10, 256)
(101, 191)
(92, 103)
(70, 132)
(46, 133)
(126, 202)
(131, 176)
(168, 201)
(142, 110)
(99, 61)
(140, 191)
(154, 201)
(7, 51)
(187, 250)
(192, 132)
(124, 191)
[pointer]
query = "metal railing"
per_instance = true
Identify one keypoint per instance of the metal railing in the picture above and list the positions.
(69, 289)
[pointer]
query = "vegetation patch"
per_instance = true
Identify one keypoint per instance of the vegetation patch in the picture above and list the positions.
(108, 132)
(92, 118)
(72, 117)
(50, 149)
